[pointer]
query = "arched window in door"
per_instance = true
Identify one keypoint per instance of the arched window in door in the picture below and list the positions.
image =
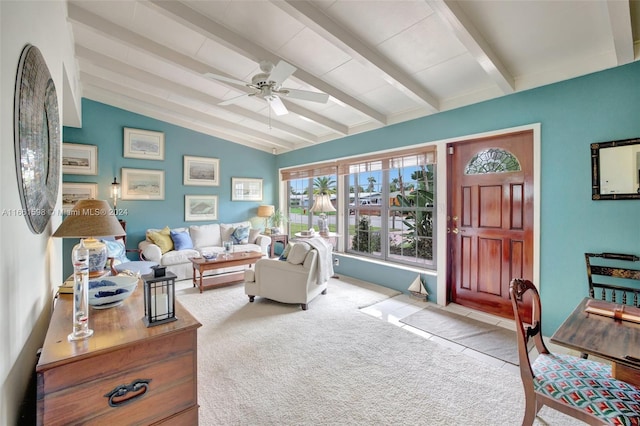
(492, 160)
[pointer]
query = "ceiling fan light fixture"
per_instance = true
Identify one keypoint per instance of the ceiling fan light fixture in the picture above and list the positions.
(269, 84)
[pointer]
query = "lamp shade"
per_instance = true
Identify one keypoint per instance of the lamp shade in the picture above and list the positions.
(90, 218)
(265, 211)
(322, 204)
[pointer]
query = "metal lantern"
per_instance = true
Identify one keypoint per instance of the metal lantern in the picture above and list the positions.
(159, 299)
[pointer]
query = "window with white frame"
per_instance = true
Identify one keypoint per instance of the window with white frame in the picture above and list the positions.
(388, 204)
(391, 214)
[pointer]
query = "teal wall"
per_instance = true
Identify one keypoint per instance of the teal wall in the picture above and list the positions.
(603, 106)
(103, 125)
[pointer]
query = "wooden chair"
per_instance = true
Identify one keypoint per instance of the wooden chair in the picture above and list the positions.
(617, 282)
(578, 387)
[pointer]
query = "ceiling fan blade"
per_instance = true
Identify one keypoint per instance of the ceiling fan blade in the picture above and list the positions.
(306, 95)
(225, 79)
(281, 72)
(276, 105)
(232, 100)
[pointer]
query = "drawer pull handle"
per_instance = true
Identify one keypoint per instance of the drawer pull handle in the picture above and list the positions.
(118, 396)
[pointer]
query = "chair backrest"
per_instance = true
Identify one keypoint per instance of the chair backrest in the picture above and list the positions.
(616, 281)
(524, 293)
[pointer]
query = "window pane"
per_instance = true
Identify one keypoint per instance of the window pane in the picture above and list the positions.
(411, 213)
(298, 205)
(302, 194)
(390, 212)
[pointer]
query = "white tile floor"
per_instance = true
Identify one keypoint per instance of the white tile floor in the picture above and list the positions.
(394, 309)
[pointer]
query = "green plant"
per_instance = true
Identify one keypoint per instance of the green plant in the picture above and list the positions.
(419, 224)
(279, 218)
(364, 240)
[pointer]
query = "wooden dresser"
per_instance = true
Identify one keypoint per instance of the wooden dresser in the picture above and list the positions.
(152, 372)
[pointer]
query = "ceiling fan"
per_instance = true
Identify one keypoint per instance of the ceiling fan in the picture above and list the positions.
(268, 86)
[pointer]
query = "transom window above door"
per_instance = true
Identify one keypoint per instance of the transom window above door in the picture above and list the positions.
(492, 160)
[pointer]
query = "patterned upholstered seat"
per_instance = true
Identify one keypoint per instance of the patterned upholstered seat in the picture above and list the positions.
(578, 387)
(587, 385)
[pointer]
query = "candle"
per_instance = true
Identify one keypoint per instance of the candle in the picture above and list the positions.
(159, 306)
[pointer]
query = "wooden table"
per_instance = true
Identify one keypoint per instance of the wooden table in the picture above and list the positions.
(75, 379)
(277, 238)
(202, 265)
(614, 340)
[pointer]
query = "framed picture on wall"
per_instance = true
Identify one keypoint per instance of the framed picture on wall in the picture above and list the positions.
(200, 207)
(79, 159)
(201, 171)
(73, 192)
(246, 189)
(145, 144)
(142, 184)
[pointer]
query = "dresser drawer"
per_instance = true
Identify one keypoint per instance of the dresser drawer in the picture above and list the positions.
(171, 389)
(119, 360)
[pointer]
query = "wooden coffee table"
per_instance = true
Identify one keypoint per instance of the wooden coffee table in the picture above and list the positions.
(202, 265)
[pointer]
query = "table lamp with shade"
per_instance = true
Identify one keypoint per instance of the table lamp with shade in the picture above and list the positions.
(322, 204)
(86, 220)
(89, 219)
(266, 211)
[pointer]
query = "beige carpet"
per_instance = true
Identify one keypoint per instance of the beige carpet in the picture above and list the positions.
(267, 363)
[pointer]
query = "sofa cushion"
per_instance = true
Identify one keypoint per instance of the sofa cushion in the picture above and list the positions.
(286, 251)
(162, 239)
(176, 257)
(116, 250)
(205, 235)
(253, 235)
(240, 235)
(181, 240)
(298, 253)
(226, 229)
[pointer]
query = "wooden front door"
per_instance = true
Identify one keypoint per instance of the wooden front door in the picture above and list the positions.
(490, 219)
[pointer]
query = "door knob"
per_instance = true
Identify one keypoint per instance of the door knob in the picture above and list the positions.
(455, 230)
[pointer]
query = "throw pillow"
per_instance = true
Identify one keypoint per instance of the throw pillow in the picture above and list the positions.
(116, 250)
(253, 235)
(240, 235)
(162, 239)
(286, 251)
(298, 253)
(205, 235)
(181, 240)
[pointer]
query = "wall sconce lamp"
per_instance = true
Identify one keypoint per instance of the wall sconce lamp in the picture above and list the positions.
(115, 192)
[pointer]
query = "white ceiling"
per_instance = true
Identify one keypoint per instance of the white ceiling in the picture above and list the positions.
(382, 62)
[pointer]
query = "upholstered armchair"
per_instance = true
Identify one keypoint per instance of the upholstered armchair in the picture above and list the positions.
(294, 280)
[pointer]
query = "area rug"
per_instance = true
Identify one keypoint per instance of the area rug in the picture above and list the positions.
(268, 363)
(488, 339)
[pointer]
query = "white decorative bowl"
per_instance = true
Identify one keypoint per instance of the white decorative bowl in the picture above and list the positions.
(108, 292)
(209, 255)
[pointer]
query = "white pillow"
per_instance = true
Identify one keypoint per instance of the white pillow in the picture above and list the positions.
(253, 235)
(226, 229)
(205, 235)
(298, 253)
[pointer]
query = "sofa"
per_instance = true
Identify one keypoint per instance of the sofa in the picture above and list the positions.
(173, 247)
(298, 276)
